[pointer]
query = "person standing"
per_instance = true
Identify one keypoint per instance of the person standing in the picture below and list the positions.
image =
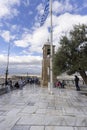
(20, 83)
(77, 83)
(63, 84)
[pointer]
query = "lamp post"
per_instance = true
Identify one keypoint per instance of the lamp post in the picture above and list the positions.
(6, 74)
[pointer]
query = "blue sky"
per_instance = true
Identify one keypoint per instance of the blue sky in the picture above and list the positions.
(20, 26)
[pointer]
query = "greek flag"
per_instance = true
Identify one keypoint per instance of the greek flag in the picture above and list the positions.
(46, 12)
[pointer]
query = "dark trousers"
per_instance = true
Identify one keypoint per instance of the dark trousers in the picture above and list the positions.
(77, 87)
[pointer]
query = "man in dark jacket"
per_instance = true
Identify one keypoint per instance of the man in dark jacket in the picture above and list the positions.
(77, 83)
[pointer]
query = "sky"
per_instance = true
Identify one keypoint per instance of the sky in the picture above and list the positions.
(20, 28)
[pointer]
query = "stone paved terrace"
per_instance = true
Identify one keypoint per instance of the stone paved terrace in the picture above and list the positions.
(33, 108)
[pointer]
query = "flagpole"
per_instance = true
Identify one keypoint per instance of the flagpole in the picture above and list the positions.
(51, 49)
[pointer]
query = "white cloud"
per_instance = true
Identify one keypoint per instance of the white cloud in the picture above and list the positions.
(2, 58)
(21, 43)
(25, 59)
(26, 2)
(21, 59)
(7, 8)
(6, 35)
(14, 27)
(35, 40)
(30, 13)
(64, 23)
(61, 7)
(40, 35)
(21, 64)
(40, 9)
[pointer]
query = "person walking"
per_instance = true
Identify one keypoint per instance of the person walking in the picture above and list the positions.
(77, 83)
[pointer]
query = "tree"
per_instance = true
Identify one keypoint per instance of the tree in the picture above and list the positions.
(71, 56)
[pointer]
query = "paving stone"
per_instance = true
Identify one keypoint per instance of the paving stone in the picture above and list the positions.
(13, 112)
(58, 128)
(41, 111)
(33, 120)
(29, 109)
(80, 128)
(21, 127)
(37, 128)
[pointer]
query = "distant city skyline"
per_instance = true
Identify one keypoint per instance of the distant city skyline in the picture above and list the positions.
(20, 26)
